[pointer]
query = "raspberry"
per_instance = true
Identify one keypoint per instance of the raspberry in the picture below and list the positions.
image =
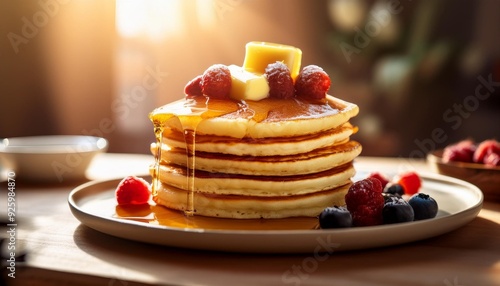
(484, 149)
(312, 82)
(216, 82)
(459, 152)
(132, 190)
(365, 202)
(280, 81)
(193, 87)
(381, 177)
(492, 159)
(410, 181)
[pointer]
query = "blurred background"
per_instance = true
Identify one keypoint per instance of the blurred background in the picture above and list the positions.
(424, 73)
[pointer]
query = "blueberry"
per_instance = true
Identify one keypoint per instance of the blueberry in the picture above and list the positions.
(335, 217)
(395, 189)
(389, 197)
(396, 210)
(424, 206)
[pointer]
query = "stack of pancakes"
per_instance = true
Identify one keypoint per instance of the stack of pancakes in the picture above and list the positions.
(266, 159)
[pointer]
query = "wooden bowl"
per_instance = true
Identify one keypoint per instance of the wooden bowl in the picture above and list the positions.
(486, 178)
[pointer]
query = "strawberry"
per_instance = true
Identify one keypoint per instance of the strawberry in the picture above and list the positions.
(132, 190)
(410, 181)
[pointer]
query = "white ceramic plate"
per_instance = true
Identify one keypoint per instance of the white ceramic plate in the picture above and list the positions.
(459, 202)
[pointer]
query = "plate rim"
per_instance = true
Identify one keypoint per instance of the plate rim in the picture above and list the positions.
(452, 221)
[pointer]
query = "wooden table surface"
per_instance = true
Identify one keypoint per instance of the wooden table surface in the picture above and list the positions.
(61, 251)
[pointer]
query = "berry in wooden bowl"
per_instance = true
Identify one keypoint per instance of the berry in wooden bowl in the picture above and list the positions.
(471, 162)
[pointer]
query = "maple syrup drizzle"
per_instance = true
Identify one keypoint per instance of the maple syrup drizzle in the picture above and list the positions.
(190, 112)
(158, 131)
(190, 138)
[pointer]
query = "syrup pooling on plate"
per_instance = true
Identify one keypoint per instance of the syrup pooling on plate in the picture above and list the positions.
(158, 215)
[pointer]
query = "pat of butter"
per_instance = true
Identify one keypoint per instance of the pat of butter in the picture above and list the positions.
(259, 54)
(246, 85)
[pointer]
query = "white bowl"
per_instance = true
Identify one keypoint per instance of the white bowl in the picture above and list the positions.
(54, 158)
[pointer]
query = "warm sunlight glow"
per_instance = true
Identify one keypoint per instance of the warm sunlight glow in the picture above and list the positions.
(205, 12)
(154, 18)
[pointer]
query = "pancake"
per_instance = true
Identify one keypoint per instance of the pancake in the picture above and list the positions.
(304, 163)
(250, 207)
(269, 186)
(268, 118)
(261, 146)
(294, 161)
